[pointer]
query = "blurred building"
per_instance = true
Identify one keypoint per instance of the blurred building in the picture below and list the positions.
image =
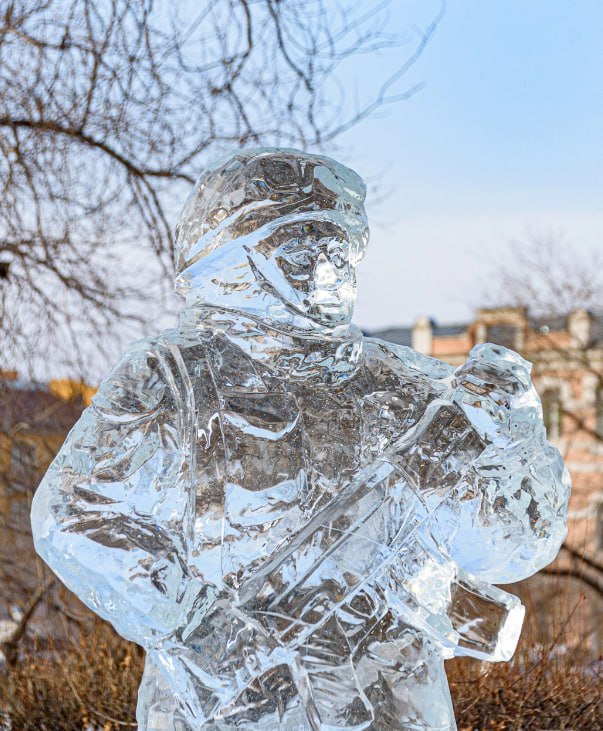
(34, 421)
(567, 357)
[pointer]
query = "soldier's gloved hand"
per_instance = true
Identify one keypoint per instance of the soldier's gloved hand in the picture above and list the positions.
(496, 392)
(506, 519)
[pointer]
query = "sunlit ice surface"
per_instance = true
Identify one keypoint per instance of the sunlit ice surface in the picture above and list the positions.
(297, 523)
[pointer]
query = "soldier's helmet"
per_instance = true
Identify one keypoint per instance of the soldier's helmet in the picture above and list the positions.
(244, 196)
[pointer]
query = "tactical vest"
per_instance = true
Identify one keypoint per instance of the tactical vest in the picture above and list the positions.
(265, 456)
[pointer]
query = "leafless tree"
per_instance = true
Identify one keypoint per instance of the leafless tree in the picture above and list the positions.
(561, 290)
(546, 274)
(108, 111)
(550, 279)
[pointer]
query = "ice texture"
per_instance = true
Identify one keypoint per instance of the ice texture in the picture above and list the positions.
(299, 523)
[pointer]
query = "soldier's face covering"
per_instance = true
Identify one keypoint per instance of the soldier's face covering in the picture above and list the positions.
(275, 235)
(313, 270)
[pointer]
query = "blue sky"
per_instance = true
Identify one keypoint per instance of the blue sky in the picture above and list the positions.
(504, 139)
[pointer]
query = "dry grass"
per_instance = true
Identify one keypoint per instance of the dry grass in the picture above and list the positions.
(552, 681)
(88, 679)
(89, 684)
(528, 693)
(92, 684)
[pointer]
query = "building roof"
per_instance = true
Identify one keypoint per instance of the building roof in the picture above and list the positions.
(445, 331)
(501, 333)
(398, 335)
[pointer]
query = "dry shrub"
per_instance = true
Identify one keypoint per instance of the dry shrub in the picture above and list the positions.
(541, 694)
(84, 685)
(546, 693)
(552, 681)
(90, 683)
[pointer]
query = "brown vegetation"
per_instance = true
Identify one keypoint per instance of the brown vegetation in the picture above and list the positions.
(543, 687)
(554, 695)
(91, 683)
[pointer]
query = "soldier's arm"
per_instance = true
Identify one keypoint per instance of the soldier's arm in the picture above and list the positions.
(113, 515)
(376, 538)
(511, 509)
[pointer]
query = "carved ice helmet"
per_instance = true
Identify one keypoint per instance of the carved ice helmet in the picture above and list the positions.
(274, 223)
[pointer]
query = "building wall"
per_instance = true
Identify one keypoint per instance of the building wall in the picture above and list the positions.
(567, 363)
(567, 358)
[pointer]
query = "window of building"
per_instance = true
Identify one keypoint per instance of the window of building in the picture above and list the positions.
(599, 524)
(552, 412)
(599, 412)
(503, 334)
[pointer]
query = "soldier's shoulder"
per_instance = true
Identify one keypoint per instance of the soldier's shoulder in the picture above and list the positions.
(404, 361)
(162, 349)
(165, 340)
(147, 370)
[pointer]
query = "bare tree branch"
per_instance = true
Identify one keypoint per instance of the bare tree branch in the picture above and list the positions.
(10, 644)
(574, 573)
(108, 111)
(583, 558)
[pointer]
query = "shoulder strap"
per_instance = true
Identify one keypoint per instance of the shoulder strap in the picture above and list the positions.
(177, 375)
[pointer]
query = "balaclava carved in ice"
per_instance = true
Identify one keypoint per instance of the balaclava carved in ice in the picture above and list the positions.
(275, 234)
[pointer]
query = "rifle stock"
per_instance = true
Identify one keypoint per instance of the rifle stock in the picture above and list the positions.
(375, 535)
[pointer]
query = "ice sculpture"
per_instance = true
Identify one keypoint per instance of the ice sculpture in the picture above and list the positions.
(297, 523)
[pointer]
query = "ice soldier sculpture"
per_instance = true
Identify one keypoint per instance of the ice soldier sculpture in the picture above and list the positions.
(297, 523)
